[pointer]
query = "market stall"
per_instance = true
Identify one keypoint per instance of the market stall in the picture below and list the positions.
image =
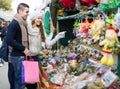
(88, 57)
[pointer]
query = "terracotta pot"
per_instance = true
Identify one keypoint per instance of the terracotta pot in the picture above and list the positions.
(74, 63)
(74, 42)
(82, 57)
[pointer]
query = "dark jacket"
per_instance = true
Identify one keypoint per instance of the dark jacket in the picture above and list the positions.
(3, 32)
(14, 39)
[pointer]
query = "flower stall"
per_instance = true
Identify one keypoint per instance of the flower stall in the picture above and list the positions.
(88, 56)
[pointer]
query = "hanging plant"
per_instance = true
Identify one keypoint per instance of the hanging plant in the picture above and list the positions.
(110, 5)
(68, 4)
(89, 2)
(76, 24)
(56, 4)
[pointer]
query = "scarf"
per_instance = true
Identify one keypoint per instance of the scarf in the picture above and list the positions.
(23, 26)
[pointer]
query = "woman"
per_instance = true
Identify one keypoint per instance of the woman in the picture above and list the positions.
(37, 36)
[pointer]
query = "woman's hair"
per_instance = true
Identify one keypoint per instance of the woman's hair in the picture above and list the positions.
(42, 33)
(41, 30)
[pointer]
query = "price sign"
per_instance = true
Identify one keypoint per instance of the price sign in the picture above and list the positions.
(108, 78)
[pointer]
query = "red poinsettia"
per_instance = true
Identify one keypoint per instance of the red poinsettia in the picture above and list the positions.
(69, 4)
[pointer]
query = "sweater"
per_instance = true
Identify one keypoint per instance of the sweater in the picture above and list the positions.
(14, 39)
(35, 42)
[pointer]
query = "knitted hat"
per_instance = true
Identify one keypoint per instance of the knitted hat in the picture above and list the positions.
(35, 14)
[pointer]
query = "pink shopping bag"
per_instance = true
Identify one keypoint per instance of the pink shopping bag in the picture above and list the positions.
(30, 72)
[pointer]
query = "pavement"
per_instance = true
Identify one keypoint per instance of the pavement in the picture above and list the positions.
(4, 84)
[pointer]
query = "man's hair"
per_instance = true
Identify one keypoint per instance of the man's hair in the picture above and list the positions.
(22, 6)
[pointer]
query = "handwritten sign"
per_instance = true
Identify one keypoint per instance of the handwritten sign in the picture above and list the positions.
(108, 78)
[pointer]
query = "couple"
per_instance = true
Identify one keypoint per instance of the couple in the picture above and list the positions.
(26, 40)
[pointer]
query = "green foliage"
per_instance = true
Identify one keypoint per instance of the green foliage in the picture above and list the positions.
(116, 49)
(76, 24)
(5, 4)
(76, 71)
(56, 4)
(112, 4)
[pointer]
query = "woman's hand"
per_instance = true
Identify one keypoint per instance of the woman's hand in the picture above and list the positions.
(60, 35)
(27, 52)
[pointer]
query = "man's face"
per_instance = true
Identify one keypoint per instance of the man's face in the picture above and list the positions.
(24, 13)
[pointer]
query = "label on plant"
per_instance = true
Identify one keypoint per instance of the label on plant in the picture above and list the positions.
(108, 78)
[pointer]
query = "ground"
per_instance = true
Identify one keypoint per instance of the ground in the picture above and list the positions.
(4, 84)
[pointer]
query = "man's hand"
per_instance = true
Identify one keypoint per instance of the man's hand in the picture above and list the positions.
(27, 52)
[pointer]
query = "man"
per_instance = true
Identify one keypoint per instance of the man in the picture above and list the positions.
(17, 38)
(3, 30)
(1, 60)
(11, 73)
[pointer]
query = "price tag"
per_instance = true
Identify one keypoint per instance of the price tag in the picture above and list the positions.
(108, 78)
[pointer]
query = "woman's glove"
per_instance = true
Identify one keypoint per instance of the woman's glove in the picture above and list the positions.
(49, 43)
(60, 35)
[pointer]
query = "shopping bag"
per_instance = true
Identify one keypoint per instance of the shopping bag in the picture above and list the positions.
(30, 71)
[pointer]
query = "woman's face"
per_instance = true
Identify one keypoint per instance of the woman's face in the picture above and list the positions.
(38, 21)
